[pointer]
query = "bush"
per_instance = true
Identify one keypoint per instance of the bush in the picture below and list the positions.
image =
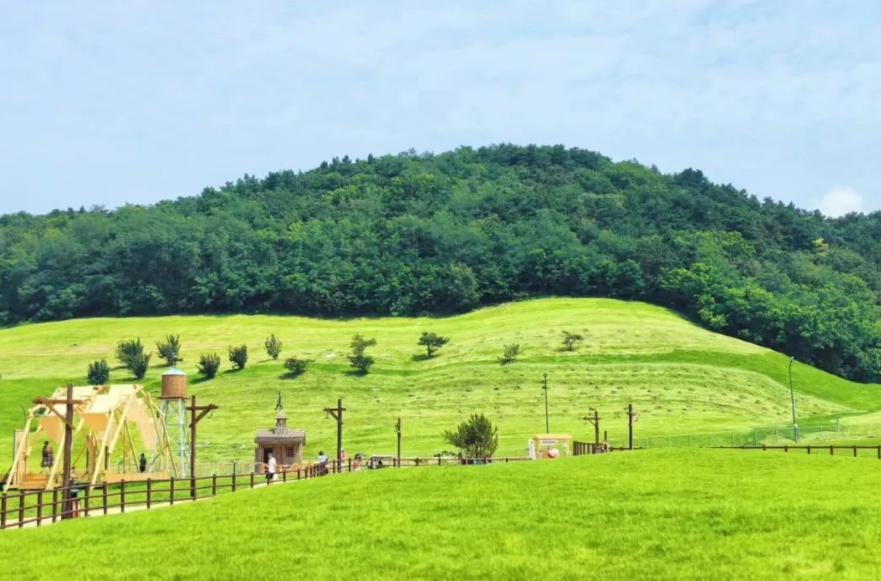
(238, 356)
(128, 351)
(510, 354)
(208, 365)
(169, 349)
(570, 339)
(476, 437)
(139, 365)
(358, 359)
(296, 366)
(99, 373)
(432, 342)
(273, 346)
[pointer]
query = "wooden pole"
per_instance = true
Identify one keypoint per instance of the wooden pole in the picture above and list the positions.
(398, 430)
(337, 414)
(66, 506)
(193, 448)
(630, 426)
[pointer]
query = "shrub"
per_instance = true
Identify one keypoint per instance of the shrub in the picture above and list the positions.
(273, 346)
(358, 359)
(99, 373)
(238, 356)
(127, 351)
(570, 339)
(208, 365)
(510, 353)
(169, 349)
(475, 437)
(296, 366)
(139, 365)
(432, 342)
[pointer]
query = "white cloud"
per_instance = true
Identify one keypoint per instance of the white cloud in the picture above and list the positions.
(840, 201)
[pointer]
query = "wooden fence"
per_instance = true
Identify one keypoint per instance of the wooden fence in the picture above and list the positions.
(809, 449)
(39, 507)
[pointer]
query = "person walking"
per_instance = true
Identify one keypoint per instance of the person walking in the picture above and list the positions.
(270, 469)
(322, 463)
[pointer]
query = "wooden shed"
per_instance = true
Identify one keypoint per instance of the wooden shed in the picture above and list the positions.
(284, 443)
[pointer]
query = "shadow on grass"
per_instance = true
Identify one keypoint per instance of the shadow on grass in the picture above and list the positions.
(420, 357)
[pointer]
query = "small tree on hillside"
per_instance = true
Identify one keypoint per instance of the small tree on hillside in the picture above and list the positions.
(476, 437)
(570, 339)
(358, 359)
(509, 354)
(169, 349)
(98, 373)
(238, 356)
(273, 346)
(139, 365)
(295, 366)
(432, 342)
(208, 365)
(128, 350)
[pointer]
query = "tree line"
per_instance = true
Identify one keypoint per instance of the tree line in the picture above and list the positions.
(415, 234)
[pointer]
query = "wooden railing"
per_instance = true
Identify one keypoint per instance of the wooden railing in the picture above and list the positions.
(809, 449)
(24, 508)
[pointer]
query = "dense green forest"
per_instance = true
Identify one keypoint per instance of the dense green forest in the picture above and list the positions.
(422, 233)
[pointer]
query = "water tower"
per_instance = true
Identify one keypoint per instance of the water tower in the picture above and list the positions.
(174, 394)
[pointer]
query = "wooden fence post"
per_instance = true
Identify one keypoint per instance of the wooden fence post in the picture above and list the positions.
(809, 450)
(214, 484)
(39, 508)
(252, 480)
(86, 501)
(831, 450)
(879, 452)
(20, 508)
(104, 496)
(149, 492)
(786, 448)
(854, 451)
(122, 496)
(171, 490)
(3, 511)
(234, 481)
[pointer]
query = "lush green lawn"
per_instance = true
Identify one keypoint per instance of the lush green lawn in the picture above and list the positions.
(681, 378)
(664, 514)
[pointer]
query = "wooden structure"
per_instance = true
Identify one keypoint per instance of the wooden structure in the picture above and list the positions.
(104, 423)
(542, 444)
(284, 443)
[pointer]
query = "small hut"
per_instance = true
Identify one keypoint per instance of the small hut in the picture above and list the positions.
(284, 443)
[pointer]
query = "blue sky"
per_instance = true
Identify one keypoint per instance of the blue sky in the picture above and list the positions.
(133, 102)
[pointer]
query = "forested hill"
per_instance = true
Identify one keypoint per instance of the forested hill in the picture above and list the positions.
(412, 234)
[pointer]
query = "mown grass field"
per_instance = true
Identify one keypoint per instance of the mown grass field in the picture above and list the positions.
(681, 378)
(647, 515)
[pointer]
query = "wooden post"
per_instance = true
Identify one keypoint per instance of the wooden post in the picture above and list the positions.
(831, 450)
(194, 420)
(66, 505)
(39, 508)
(104, 497)
(171, 490)
(3, 503)
(398, 430)
(86, 499)
(809, 450)
(252, 480)
(20, 508)
(214, 485)
(149, 492)
(630, 415)
(786, 448)
(854, 451)
(337, 414)
(879, 452)
(122, 496)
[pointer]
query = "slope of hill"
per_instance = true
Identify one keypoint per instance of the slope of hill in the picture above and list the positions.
(416, 234)
(635, 516)
(683, 379)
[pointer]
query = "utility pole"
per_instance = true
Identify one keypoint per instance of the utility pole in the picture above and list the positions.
(545, 388)
(792, 397)
(595, 420)
(67, 418)
(337, 414)
(194, 421)
(398, 431)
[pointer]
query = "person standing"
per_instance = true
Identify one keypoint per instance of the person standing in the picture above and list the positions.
(142, 463)
(48, 455)
(322, 463)
(270, 469)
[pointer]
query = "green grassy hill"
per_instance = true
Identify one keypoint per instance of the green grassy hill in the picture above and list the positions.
(682, 379)
(657, 514)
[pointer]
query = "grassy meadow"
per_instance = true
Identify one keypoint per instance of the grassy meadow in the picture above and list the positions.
(655, 514)
(681, 378)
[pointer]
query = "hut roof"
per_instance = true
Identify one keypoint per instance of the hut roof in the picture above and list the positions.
(267, 436)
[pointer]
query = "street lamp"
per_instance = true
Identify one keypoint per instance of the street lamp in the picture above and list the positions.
(545, 388)
(792, 399)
